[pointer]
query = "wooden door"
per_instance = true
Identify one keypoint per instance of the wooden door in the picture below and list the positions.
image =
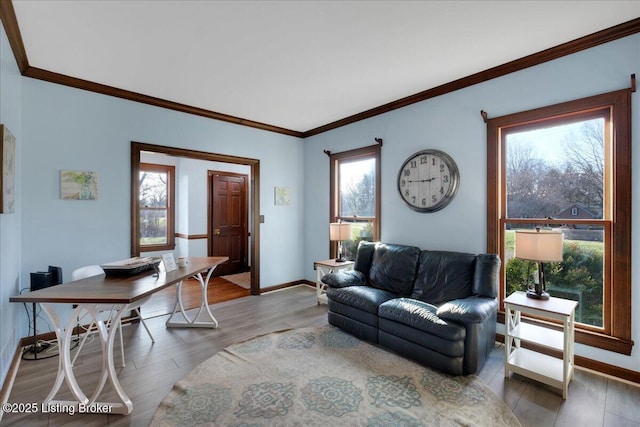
(228, 213)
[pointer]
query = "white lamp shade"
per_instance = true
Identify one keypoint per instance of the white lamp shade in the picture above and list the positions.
(543, 246)
(339, 231)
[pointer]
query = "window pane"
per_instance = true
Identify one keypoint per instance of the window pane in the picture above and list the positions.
(153, 226)
(153, 189)
(357, 188)
(360, 230)
(579, 276)
(556, 171)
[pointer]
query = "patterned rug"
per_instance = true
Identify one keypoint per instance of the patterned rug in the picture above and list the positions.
(325, 377)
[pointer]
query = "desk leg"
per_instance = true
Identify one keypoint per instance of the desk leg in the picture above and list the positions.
(192, 322)
(65, 369)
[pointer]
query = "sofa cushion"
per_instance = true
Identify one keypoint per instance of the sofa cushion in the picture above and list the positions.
(444, 276)
(421, 317)
(393, 268)
(360, 297)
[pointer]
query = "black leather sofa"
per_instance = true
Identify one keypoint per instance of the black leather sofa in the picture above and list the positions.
(436, 307)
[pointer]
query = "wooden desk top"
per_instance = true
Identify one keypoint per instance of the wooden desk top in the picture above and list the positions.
(117, 290)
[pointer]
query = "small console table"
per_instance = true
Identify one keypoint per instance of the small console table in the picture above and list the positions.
(323, 268)
(537, 366)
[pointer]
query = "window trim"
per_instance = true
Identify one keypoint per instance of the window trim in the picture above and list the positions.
(618, 339)
(372, 151)
(171, 193)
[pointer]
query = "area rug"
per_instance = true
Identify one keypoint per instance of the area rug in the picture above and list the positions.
(241, 279)
(325, 377)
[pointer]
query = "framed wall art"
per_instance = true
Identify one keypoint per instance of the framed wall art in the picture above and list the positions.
(78, 185)
(282, 196)
(8, 175)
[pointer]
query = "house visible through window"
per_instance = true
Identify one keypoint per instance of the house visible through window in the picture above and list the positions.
(156, 207)
(566, 168)
(355, 195)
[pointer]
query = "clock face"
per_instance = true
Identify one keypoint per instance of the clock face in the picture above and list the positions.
(428, 180)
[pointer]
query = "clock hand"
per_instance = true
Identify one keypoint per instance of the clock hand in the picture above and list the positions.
(424, 180)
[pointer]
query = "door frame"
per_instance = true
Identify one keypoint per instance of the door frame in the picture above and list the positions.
(254, 196)
(246, 232)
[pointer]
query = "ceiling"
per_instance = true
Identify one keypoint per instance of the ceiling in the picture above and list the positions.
(297, 65)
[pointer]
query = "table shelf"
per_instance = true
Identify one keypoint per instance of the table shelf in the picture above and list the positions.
(540, 335)
(538, 366)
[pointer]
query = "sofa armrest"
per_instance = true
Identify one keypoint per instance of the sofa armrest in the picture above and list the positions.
(343, 279)
(468, 310)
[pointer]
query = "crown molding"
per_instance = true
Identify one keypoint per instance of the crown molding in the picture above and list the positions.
(10, 22)
(49, 76)
(577, 45)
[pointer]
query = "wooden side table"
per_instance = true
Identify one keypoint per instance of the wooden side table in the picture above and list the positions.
(540, 367)
(325, 267)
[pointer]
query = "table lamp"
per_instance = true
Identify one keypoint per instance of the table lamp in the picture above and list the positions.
(539, 246)
(339, 231)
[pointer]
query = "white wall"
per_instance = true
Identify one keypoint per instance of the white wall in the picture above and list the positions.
(10, 242)
(452, 123)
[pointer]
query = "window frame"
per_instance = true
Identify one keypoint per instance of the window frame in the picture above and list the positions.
(616, 336)
(372, 151)
(170, 170)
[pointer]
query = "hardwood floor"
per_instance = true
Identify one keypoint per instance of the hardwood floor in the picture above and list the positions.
(151, 370)
(219, 290)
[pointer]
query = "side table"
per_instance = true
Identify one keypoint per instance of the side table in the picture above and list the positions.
(537, 366)
(325, 267)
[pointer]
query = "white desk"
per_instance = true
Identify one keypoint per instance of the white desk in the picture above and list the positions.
(126, 293)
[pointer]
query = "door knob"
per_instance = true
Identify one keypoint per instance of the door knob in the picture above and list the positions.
(216, 231)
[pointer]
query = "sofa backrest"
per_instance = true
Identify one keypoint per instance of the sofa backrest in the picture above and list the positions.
(388, 266)
(444, 276)
(487, 276)
(364, 256)
(430, 276)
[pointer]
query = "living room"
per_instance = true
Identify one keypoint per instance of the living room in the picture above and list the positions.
(57, 127)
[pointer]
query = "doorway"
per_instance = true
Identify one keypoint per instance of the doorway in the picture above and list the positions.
(227, 212)
(252, 194)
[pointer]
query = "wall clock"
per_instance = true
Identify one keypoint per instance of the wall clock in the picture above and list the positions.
(428, 180)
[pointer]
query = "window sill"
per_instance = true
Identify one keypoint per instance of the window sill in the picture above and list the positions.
(155, 248)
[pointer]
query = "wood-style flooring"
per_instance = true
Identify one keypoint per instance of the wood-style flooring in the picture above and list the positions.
(151, 370)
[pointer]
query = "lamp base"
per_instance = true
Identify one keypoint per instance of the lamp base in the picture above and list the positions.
(532, 294)
(341, 260)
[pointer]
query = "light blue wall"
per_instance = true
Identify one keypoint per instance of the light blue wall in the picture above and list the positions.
(453, 124)
(10, 115)
(66, 128)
